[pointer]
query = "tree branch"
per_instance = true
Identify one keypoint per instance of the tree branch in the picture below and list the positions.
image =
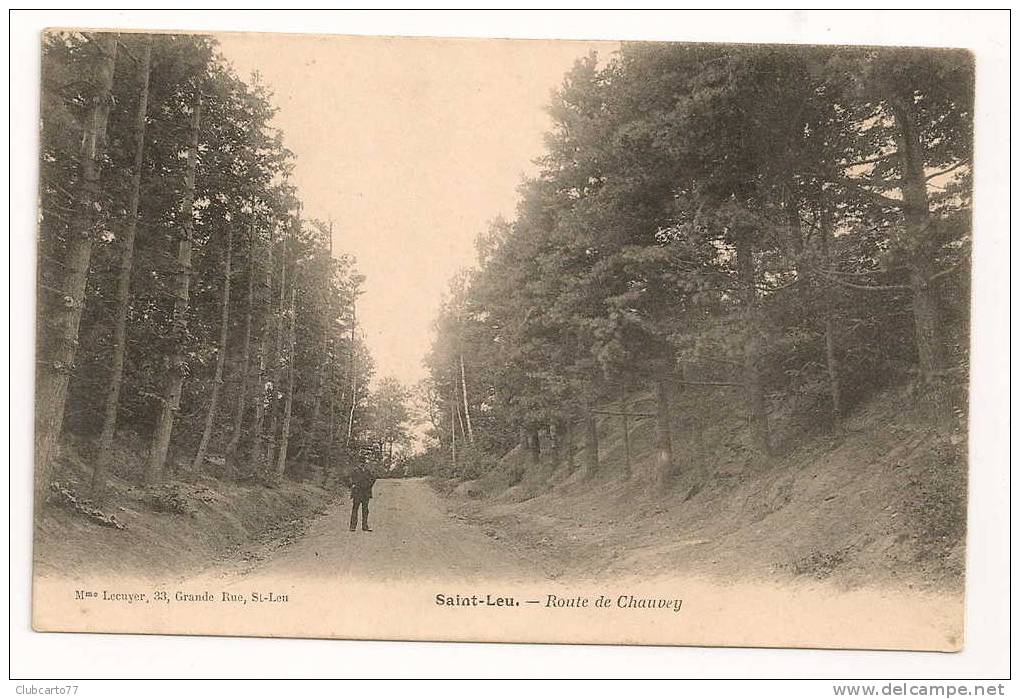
(948, 169)
(871, 161)
(880, 199)
(866, 287)
(126, 50)
(948, 270)
(865, 273)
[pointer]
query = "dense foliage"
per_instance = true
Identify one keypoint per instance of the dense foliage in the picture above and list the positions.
(787, 225)
(185, 301)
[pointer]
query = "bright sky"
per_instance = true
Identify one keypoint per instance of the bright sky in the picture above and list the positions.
(410, 146)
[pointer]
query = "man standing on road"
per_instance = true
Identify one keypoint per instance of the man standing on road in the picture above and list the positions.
(362, 480)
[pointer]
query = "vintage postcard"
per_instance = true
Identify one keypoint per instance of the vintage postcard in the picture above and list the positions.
(503, 340)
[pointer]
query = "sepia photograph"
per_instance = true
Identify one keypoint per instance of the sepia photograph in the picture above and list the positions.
(503, 340)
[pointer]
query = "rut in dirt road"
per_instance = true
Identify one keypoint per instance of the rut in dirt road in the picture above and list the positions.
(412, 537)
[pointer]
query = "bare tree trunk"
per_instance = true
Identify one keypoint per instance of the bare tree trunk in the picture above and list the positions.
(324, 362)
(119, 347)
(467, 410)
(354, 403)
(568, 444)
(928, 323)
(929, 331)
(278, 328)
(221, 358)
(330, 379)
(51, 393)
(175, 369)
(242, 389)
(625, 424)
(556, 442)
(261, 393)
(331, 431)
(320, 389)
(354, 376)
(460, 421)
(535, 445)
(453, 434)
(591, 442)
(757, 414)
(281, 464)
(665, 461)
(797, 243)
(175, 381)
(831, 363)
(456, 402)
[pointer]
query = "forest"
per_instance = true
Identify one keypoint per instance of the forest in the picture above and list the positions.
(192, 318)
(781, 231)
(713, 342)
(739, 271)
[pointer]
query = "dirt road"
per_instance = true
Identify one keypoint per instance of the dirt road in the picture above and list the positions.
(425, 574)
(413, 537)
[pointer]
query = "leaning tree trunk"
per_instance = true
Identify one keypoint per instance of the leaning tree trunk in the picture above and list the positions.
(53, 377)
(666, 466)
(288, 406)
(757, 414)
(928, 324)
(221, 358)
(175, 381)
(242, 388)
(119, 346)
